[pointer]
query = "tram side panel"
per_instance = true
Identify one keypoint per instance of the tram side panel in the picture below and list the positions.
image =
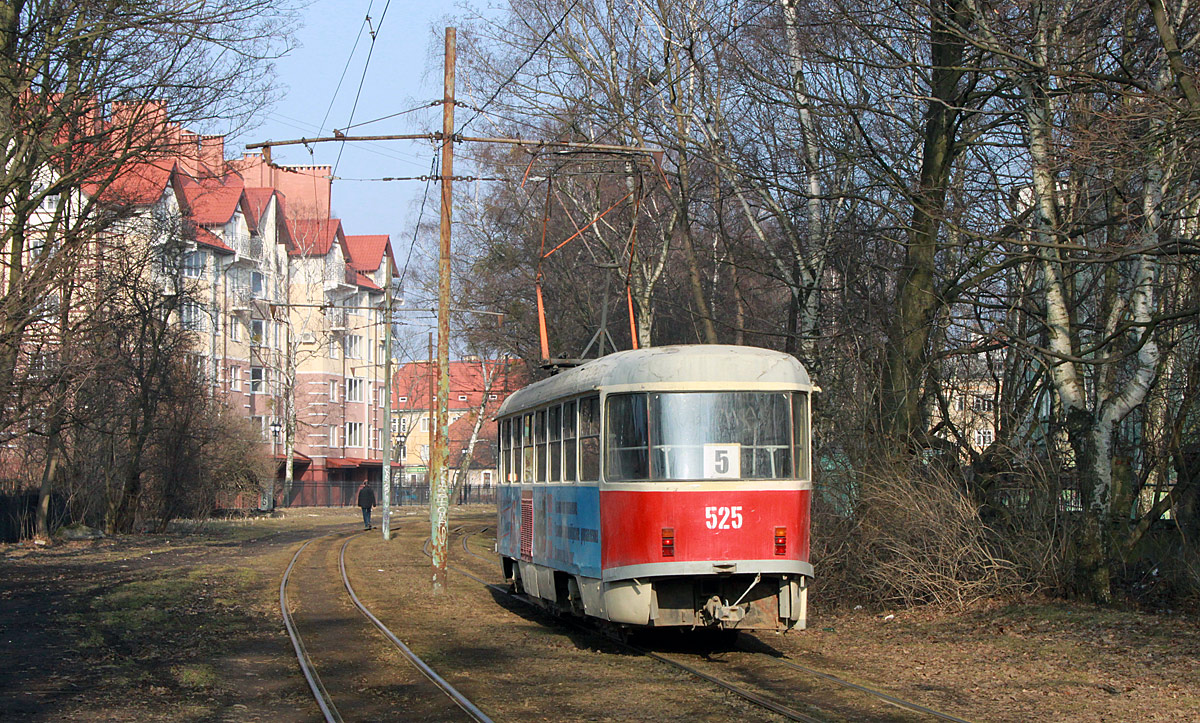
(553, 534)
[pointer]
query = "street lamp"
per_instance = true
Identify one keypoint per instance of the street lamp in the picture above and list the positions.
(276, 428)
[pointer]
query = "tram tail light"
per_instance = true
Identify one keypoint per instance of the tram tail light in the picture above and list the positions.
(780, 540)
(668, 542)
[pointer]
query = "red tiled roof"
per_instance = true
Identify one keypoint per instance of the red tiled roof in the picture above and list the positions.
(410, 384)
(209, 200)
(137, 183)
(459, 434)
(255, 202)
(365, 281)
(314, 237)
(204, 237)
(366, 252)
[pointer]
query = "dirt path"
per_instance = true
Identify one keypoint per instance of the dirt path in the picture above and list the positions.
(187, 627)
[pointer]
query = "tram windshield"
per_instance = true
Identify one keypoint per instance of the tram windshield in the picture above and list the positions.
(705, 435)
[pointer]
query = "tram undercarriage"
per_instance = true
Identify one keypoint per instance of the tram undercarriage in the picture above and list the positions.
(724, 601)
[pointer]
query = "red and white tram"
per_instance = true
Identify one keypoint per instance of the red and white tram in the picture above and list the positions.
(662, 487)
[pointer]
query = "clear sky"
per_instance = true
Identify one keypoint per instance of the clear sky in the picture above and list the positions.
(404, 72)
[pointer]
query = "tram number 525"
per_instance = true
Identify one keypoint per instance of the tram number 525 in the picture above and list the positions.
(723, 518)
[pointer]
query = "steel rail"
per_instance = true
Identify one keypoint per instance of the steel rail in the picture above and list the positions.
(761, 701)
(885, 697)
(324, 700)
(898, 702)
(459, 699)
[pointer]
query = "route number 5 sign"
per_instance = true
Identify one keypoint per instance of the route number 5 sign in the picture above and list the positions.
(722, 461)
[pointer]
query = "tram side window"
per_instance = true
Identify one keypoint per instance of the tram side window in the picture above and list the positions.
(589, 439)
(628, 438)
(514, 451)
(568, 442)
(539, 435)
(800, 427)
(527, 448)
(502, 444)
(554, 435)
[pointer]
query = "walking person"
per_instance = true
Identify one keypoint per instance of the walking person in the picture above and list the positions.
(366, 500)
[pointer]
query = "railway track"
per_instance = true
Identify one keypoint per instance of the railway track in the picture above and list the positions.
(324, 697)
(907, 708)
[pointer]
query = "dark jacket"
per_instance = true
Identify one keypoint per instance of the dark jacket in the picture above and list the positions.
(366, 497)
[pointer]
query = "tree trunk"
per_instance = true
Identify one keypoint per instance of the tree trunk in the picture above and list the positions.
(919, 299)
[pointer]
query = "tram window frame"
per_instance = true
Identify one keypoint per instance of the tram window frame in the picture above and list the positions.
(554, 442)
(527, 448)
(627, 442)
(801, 421)
(514, 450)
(648, 436)
(589, 443)
(569, 425)
(502, 448)
(539, 442)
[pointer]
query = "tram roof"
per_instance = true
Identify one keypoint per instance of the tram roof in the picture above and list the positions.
(711, 365)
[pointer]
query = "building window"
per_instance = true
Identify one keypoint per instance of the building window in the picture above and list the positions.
(404, 399)
(258, 379)
(235, 330)
(491, 396)
(258, 285)
(333, 348)
(403, 425)
(333, 435)
(462, 397)
(982, 404)
(333, 386)
(424, 424)
(259, 423)
(193, 264)
(235, 378)
(258, 332)
(487, 478)
(353, 346)
(424, 451)
(354, 390)
(403, 451)
(984, 437)
(354, 432)
(191, 315)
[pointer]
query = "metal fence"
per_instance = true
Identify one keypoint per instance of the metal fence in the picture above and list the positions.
(418, 494)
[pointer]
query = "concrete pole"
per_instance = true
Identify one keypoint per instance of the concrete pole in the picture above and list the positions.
(439, 500)
(386, 527)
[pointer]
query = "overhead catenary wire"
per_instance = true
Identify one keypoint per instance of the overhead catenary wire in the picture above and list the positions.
(423, 106)
(545, 39)
(363, 78)
(346, 67)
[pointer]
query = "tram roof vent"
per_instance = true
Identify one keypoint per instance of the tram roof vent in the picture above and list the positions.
(554, 366)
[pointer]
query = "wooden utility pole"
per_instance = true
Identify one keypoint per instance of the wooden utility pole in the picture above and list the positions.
(439, 496)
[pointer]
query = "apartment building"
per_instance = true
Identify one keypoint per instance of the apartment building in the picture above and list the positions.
(286, 308)
(477, 387)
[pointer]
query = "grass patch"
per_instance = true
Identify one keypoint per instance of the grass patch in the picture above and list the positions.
(195, 677)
